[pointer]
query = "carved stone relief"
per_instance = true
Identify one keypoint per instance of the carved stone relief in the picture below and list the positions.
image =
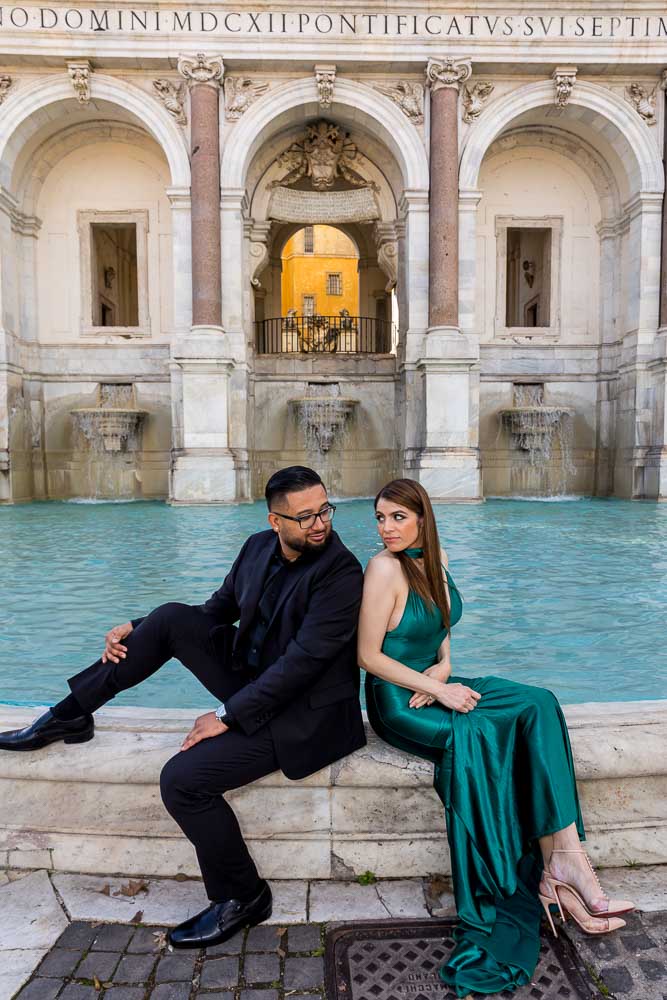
(643, 101)
(386, 243)
(474, 99)
(79, 73)
(325, 79)
(324, 154)
(5, 84)
(172, 97)
(200, 69)
(258, 234)
(408, 95)
(564, 78)
(323, 207)
(240, 92)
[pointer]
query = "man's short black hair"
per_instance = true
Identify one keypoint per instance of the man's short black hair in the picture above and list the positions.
(294, 479)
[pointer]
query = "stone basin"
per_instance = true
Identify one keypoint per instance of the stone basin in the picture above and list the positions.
(113, 426)
(323, 417)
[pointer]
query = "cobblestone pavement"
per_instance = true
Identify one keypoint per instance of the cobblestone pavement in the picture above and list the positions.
(101, 961)
(630, 964)
(120, 962)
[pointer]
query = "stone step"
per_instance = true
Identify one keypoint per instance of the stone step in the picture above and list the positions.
(96, 807)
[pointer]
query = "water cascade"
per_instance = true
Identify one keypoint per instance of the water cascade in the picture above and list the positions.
(324, 418)
(535, 429)
(111, 433)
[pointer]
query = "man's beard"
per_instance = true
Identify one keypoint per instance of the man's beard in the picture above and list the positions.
(310, 547)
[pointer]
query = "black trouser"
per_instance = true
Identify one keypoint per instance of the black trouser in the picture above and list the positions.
(193, 782)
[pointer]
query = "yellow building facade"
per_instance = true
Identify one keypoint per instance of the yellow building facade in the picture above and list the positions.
(320, 273)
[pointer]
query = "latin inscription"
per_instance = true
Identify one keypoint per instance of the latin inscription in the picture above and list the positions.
(525, 26)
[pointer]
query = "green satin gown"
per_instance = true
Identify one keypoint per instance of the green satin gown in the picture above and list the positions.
(505, 775)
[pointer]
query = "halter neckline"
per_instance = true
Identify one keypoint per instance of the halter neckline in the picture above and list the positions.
(414, 553)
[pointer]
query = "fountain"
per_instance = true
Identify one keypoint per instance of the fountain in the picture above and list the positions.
(114, 424)
(535, 428)
(111, 430)
(324, 417)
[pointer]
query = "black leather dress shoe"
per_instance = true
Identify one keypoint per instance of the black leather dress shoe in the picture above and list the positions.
(221, 921)
(47, 729)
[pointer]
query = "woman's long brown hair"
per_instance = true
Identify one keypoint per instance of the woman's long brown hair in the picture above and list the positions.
(429, 584)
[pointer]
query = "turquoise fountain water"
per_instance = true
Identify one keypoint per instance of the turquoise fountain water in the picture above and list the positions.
(569, 595)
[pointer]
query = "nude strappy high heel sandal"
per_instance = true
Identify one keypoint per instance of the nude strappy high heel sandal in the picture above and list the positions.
(569, 905)
(615, 907)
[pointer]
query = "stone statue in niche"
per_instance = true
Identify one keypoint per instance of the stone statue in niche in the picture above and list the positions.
(324, 154)
(240, 92)
(643, 101)
(172, 97)
(529, 272)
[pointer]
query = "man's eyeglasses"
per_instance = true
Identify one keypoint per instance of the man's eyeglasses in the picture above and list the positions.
(308, 520)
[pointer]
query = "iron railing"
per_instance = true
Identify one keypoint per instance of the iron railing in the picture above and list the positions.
(324, 335)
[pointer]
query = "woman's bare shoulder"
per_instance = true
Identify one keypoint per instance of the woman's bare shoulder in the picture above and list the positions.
(443, 557)
(383, 566)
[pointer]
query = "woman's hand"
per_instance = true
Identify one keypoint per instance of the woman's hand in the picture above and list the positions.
(439, 672)
(459, 697)
(113, 648)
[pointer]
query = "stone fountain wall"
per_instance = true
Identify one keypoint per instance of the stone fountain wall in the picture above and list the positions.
(58, 456)
(363, 458)
(507, 469)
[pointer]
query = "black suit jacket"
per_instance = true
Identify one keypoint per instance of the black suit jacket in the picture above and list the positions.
(308, 688)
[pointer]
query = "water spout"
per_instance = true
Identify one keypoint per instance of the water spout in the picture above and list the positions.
(323, 420)
(535, 429)
(110, 432)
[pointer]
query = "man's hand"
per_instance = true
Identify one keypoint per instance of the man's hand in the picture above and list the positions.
(205, 727)
(440, 672)
(113, 650)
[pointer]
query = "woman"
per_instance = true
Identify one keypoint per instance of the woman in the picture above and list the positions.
(503, 764)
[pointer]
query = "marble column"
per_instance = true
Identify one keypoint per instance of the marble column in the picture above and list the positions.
(445, 78)
(442, 377)
(203, 469)
(204, 76)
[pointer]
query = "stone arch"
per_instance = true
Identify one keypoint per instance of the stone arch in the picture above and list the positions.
(34, 165)
(625, 141)
(354, 105)
(30, 108)
(587, 158)
(359, 108)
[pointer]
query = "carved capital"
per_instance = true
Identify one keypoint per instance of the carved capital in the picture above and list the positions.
(643, 101)
(172, 96)
(79, 73)
(325, 79)
(447, 72)
(663, 80)
(201, 69)
(564, 78)
(5, 84)
(474, 99)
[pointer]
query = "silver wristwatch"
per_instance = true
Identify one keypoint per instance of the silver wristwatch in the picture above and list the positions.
(221, 714)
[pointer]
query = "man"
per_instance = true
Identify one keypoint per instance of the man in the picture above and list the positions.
(287, 678)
